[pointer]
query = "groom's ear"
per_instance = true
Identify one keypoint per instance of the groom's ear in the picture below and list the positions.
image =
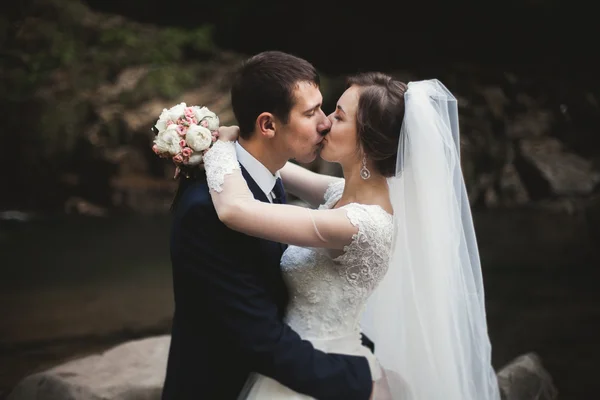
(266, 124)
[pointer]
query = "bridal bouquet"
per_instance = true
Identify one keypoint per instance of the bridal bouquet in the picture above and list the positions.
(184, 133)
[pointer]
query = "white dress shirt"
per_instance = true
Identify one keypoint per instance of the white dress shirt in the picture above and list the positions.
(261, 174)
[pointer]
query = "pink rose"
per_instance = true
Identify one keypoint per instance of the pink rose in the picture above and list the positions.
(204, 123)
(178, 159)
(189, 112)
(155, 149)
(187, 152)
(182, 143)
(182, 130)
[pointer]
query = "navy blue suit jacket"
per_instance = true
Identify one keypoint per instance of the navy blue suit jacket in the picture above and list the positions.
(229, 303)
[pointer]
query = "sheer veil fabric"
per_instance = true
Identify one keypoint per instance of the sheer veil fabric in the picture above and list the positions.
(427, 317)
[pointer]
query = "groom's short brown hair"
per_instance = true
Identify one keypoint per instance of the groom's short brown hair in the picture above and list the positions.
(265, 82)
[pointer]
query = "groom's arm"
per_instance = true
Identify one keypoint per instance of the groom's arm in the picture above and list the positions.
(243, 312)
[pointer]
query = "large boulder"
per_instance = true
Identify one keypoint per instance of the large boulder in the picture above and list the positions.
(525, 378)
(131, 371)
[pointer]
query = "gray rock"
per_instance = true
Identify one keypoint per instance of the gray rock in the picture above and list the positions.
(525, 378)
(567, 173)
(131, 371)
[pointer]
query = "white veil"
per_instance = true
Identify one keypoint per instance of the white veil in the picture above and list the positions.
(427, 317)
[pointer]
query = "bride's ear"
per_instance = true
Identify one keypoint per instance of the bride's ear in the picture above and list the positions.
(266, 124)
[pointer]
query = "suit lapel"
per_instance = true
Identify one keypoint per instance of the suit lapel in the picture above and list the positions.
(258, 195)
(253, 186)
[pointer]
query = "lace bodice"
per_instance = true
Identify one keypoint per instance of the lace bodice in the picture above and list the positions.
(328, 294)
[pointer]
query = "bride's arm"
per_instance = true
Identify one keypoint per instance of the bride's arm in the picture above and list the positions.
(307, 185)
(237, 208)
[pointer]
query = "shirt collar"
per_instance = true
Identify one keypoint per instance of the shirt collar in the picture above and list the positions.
(261, 174)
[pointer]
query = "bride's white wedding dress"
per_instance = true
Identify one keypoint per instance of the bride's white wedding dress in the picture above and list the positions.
(328, 292)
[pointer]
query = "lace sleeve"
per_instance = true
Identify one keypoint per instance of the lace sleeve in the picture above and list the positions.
(219, 161)
(334, 192)
(365, 260)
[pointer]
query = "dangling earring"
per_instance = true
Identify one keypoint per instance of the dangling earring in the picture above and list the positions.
(364, 171)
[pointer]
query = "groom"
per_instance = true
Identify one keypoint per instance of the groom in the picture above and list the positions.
(230, 297)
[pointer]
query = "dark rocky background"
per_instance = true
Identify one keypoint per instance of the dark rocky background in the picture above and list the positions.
(81, 88)
(82, 82)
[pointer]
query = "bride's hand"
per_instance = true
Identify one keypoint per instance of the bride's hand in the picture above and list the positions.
(229, 133)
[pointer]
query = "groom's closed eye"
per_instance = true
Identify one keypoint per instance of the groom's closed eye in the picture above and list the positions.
(311, 111)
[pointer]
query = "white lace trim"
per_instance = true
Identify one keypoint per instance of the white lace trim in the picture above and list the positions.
(334, 193)
(365, 260)
(220, 160)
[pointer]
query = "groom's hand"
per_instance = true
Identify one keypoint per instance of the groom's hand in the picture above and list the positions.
(229, 133)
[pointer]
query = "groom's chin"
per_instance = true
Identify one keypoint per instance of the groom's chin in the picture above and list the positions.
(307, 158)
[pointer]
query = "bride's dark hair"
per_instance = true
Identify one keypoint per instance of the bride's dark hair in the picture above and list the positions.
(379, 118)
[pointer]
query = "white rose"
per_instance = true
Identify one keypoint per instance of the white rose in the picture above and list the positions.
(168, 140)
(161, 124)
(195, 159)
(201, 112)
(198, 137)
(213, 122)
(176, 112)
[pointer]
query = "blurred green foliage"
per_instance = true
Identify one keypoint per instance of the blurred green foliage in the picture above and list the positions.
(60, 53)
(58, 60)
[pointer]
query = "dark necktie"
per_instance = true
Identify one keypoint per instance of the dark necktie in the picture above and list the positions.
(279, 198)
(279, 192)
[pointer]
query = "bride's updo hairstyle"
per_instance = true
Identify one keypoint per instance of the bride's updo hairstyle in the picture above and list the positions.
(379, 118)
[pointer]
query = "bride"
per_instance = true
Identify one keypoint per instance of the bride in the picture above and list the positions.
(391, 251)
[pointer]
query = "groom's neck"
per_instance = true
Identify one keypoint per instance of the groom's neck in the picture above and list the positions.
(266, 155)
